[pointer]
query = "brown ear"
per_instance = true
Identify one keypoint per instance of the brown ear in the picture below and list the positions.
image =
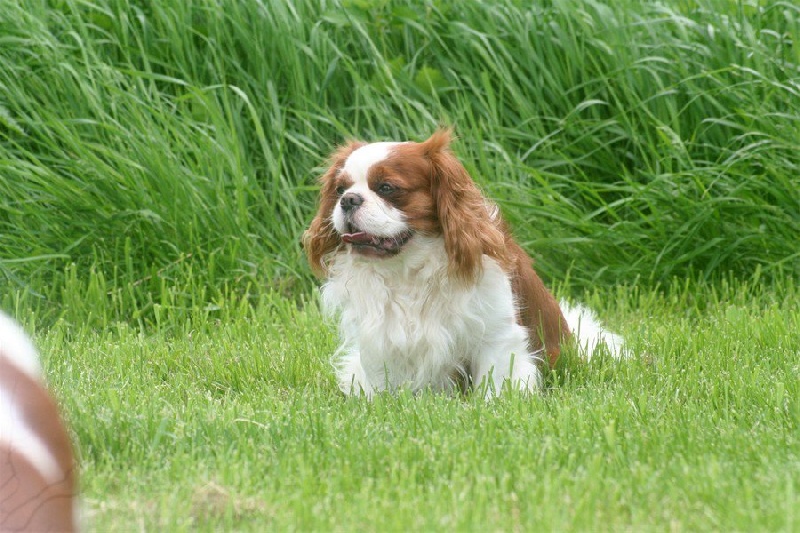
(321, 239)
(469, 227)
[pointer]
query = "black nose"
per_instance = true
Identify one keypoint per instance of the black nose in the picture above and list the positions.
(351, 200)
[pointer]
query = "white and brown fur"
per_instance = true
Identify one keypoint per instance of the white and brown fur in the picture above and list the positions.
(37, 474)
(440, 293)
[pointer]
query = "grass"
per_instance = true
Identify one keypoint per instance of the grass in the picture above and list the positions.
(237, 424)
(158, 164)
(178, 144)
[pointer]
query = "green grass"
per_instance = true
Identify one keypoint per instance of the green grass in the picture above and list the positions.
(237, 424)
(158, 164)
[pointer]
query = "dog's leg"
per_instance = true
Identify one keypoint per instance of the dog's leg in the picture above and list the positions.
(351, 375)
(505, 358)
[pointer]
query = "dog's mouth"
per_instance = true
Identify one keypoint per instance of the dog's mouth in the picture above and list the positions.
(367, 244)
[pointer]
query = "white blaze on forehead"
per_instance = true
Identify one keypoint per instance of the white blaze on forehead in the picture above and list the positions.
(359, 162)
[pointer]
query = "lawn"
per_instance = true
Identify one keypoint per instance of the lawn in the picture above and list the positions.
(237, 424)
(158, 164)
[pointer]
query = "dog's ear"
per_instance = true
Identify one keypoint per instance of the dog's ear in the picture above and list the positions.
(321, 238)
(470, 224)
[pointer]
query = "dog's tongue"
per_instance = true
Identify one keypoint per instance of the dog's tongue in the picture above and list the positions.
(362, 237)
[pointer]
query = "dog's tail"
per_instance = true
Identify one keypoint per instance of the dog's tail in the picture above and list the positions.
(37, 477)
(589, 333)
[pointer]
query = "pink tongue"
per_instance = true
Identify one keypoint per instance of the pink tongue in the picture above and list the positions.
(362, 237)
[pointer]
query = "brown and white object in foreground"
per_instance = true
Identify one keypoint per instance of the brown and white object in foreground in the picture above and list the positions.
(37, 476)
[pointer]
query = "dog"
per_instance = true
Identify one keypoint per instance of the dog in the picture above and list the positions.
(431, 290)
(38, 481)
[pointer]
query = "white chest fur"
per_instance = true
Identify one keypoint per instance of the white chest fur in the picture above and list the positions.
(405, 323)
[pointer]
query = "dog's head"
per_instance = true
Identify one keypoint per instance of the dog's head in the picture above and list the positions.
(377, 197)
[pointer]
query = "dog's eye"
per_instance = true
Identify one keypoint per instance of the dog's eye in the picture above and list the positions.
(340, 190)
(385, 189)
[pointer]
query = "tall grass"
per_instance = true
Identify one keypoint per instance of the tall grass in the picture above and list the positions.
(172, 148)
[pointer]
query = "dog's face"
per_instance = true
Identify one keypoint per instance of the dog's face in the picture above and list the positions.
(377, 197)
(383, 198)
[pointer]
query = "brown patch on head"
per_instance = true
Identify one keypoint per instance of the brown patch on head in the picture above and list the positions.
(438, 142)
(407, 174)
(320, 239)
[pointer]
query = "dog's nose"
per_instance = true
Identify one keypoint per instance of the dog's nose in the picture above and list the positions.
(351, 200)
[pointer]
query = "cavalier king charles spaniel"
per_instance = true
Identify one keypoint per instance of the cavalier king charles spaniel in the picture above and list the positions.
(431, 290)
